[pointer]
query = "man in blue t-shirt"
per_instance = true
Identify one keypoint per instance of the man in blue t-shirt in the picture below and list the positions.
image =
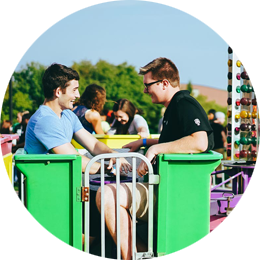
(53, 125)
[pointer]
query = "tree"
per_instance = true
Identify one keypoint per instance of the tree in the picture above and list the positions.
(28, 94)
(4, 100)
(189, 87)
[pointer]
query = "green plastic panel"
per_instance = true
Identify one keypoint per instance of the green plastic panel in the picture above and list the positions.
(51, 193)
(183, 199)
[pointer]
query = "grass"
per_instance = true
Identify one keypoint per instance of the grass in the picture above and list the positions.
(16, 251)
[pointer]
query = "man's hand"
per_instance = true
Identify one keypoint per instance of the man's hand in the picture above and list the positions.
(143, 168)
(134, 146)
(124, 166)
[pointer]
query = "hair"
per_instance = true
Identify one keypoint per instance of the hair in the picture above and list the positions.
(162, 68)
(5, 127)
(55, 76)
(128, 107)
(94, 97)
(212, 111)
(26, 116)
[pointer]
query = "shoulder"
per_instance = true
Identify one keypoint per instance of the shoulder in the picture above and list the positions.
(92, 115)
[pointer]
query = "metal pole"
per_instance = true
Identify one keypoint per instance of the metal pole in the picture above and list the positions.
(11, 100)
(8, 28)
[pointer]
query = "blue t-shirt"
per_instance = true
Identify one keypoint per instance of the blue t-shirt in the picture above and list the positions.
(45, 130)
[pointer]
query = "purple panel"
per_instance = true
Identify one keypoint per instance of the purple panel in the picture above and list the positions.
(111, 179)
(240, 200)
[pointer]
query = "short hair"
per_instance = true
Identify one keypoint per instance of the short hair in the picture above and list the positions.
(55, 76)
(162, 68)
(212, 111)
(94, 97)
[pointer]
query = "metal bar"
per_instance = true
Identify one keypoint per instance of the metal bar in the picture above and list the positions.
(22, 206)
(118, 208)
(227, 180)
(150, 212)
(10, 76)
(134, 207)
(150, 215)
(102, 209)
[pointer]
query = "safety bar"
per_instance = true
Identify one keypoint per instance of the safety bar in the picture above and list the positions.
(153, 179)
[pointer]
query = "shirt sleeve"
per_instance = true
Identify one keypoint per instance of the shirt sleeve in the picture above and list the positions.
(138, 122)
(192, 117)
(49, 132)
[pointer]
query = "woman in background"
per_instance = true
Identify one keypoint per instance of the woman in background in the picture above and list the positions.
(88, 108)
(127, 121)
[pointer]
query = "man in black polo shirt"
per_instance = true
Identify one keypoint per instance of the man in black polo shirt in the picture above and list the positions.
(186, 129)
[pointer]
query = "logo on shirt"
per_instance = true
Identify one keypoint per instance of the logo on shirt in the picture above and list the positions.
(197, 122)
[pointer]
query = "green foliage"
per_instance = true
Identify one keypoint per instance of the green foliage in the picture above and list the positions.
(210, 105)
(121, 81)
(4, 100)
(189, 87)
(28, 87)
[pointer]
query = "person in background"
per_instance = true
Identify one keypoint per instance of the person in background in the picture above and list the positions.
(88, 108)
(211, 115)
(20, 144)
(21, 140)
(19, 121)
(104, 124)
(18, 127)
(127, 121)
(6, 127)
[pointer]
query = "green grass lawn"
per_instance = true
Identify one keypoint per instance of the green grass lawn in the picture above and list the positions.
(16, 251)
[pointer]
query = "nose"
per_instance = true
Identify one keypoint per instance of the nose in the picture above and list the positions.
(119, 119)
(77, 94)
(145, 91)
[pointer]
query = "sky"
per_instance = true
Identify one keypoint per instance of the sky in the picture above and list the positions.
(135, 32)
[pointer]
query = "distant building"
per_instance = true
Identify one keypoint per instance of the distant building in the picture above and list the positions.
(213, 94)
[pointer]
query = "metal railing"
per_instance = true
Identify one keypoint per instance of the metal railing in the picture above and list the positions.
(152, 180)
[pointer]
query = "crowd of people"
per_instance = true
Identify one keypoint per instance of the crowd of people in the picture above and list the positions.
(184, 128)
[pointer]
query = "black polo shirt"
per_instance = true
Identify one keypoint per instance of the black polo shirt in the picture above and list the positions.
(183, 117)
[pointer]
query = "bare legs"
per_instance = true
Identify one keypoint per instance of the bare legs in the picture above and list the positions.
(125, 219)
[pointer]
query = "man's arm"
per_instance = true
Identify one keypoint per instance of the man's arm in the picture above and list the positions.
(96, 147)
(136, 145)
(68, 148)
(88, 141)
(194, 143)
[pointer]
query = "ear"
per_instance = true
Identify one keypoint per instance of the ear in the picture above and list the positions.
(166, 83)
(57, 92)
